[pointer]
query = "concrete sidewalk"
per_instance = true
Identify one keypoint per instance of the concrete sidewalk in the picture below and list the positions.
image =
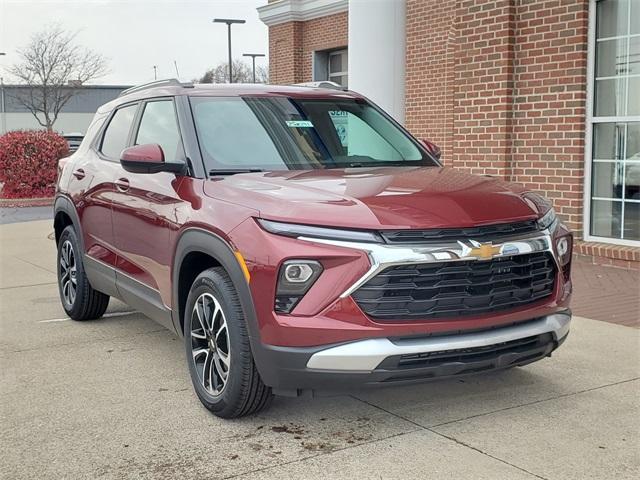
(112, 399)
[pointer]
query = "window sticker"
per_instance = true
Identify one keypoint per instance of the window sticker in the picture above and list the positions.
(340, 121)
(299, 124)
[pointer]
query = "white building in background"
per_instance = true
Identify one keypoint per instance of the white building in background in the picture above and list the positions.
(74, 117)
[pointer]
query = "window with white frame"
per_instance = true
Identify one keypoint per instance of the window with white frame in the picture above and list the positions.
(338, 62)
(614, 209)
(331, 65)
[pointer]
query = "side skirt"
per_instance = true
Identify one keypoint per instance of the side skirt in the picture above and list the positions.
(145, 299)
(138, 296)
(101, 276)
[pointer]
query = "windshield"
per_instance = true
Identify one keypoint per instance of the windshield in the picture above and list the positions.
(279, 133)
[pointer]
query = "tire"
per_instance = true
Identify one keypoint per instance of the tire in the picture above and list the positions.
(218, 350)
(79, 300)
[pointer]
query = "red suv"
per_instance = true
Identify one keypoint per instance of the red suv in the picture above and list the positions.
(300, 239)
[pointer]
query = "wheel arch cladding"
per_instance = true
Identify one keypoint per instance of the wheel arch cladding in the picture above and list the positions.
(196, 251)
(64, 215)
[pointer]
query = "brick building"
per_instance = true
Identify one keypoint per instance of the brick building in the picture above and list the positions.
(545, 93)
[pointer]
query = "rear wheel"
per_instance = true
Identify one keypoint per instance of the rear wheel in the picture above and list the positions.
(218, 351)
(79, 300)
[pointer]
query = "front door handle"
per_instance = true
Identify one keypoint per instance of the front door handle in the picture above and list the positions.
(79, 173)
(122, 184)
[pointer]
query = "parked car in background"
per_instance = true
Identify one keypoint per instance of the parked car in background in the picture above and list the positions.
(299, 239)
(74, 140)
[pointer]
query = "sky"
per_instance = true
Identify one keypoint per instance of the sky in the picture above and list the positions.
(134, 35)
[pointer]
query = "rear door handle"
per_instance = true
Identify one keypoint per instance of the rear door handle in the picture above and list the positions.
(79, 174)
(122, 184)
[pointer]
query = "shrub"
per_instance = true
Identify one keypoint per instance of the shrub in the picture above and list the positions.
(29, 163)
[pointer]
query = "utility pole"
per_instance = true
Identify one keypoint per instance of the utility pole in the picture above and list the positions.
(253, 61)
(2, 104)
(229, 22)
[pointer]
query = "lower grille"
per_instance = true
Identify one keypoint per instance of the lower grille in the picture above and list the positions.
(457, 289)
(432, 359)
(468, 360)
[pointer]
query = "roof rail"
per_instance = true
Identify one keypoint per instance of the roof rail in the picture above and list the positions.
(321, 84)
(169, 82)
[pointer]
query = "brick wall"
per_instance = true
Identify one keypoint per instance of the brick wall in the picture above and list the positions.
(291, 46)
(483, 79)
(501, 86)
(285, 52)
(430, 71)
(549, 105)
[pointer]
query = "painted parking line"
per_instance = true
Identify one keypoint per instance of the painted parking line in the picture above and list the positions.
(106, 315)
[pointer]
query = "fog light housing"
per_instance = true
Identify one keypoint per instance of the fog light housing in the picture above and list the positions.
(294, 280)
(297, 272)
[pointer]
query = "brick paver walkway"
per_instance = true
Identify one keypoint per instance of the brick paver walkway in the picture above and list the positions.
(606, 293)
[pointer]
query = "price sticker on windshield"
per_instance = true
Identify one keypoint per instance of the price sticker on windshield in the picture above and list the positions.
(299, 124)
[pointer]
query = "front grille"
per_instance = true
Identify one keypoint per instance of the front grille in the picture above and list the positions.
(457, 289)
(486, 232)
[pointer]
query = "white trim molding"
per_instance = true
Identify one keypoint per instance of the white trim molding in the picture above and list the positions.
(284, 11)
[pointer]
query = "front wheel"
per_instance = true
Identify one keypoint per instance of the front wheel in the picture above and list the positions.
(79, 300)
(218, 351)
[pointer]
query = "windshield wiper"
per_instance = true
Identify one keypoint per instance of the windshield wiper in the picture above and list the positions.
(232, 171)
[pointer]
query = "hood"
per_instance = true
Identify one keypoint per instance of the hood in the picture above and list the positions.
(376, 198)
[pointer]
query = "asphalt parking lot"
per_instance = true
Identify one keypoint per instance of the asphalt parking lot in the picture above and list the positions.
(112, 399)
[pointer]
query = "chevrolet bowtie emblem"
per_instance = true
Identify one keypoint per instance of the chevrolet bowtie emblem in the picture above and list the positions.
(481, 251)
(485, 251)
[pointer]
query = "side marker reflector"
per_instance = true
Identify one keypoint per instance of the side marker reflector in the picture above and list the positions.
(243, 266)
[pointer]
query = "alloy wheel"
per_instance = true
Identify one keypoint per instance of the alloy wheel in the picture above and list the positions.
(210, 345)
(68, 273)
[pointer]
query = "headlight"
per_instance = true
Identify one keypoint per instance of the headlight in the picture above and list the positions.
(548, 220)
(543, 206)
(296, 230)
(294, 280)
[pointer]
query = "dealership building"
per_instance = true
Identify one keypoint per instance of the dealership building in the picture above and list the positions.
(544, 93)
(74, 117)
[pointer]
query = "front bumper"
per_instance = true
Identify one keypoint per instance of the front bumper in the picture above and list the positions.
(384, 361)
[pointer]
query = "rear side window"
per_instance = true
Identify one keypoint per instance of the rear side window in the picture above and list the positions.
(115, 137)
(159, 126)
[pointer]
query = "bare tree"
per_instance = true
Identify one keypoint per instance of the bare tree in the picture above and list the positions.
(52, 67)
(242, 73)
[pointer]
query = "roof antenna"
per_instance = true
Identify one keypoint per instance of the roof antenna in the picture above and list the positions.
(175, 64)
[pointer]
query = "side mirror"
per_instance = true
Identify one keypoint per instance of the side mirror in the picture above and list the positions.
(432, 148)
(148, 158)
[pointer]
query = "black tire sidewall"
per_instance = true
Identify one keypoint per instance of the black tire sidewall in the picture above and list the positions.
(215, 284)
(70, 235)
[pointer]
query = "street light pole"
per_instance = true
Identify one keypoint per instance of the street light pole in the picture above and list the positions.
(253, 61)
(229, 22)
(2, 104)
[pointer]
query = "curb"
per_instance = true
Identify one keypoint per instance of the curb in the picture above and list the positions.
(25, 202)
